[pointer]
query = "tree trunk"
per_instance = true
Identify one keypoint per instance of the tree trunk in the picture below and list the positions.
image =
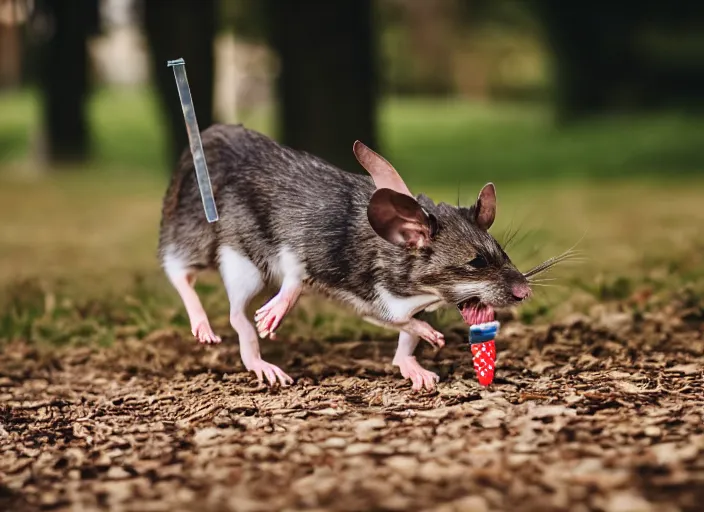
(327, 82)
(592, 54)
(431, 28)
(604, 63)
(182, 29)
(64, 78)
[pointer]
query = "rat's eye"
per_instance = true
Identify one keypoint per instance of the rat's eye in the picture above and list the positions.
(478, 262)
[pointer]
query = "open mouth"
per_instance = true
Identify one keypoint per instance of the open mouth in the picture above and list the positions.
(474, 312)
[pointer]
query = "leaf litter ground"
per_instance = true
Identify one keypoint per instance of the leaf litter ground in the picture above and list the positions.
(590, 413)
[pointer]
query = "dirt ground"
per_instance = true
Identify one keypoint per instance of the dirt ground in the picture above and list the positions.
(601, 413)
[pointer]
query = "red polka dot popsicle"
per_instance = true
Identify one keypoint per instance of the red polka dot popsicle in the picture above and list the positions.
(481, 342)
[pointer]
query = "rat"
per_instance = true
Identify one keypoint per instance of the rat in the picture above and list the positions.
(291, 220)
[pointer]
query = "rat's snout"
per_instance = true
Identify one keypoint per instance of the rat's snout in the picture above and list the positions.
(520, 291)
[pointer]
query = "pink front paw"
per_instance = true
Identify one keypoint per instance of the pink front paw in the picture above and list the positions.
(435, 338)
(272, 373)
(204, 333)
(269, 316)
(419, 376)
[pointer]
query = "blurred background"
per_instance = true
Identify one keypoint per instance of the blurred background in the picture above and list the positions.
(587, 116)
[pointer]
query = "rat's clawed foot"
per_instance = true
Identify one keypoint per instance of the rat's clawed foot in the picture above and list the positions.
(425, 331)
(269, 316)
(272, 373)
(419, 376)
(436, 339)
(204, 333)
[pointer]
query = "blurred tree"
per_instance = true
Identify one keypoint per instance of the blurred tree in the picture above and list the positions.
(670, 43)
(327, 81)
(30, 60)
(11, 21)
(64, 76)
(590, 51)
(420, 42)
(182, 29)
(246, 18)
(602, 60)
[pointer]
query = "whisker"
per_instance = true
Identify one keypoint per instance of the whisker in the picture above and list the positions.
(520, 239)
(543, 268)
(570, 255)
(540, 286)
(542, 280)
(509, 236)
(512, 232)
(508, 233)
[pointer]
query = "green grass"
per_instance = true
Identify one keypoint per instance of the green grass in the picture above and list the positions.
(455, 141)
(431, 142)
(77, 248)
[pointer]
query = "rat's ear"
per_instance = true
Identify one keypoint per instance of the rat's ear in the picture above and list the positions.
(399, 219)
(382, 172)
(485, 207)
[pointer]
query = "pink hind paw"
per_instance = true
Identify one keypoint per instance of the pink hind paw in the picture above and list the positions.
(419, 376)
(272, 373)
